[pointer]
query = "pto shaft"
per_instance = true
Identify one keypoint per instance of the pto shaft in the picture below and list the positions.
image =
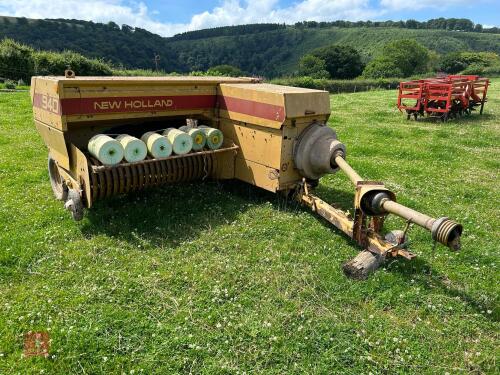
(407, 213)
(443, 230)
(346, 168)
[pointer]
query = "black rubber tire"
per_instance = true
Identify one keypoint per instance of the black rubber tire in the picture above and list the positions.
(58, 186)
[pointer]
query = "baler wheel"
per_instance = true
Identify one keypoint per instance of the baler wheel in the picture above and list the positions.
(56, 182)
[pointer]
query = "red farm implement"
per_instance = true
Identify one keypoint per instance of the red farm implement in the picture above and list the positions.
(442, 97)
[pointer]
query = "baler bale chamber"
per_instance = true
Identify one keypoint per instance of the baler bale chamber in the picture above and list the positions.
(275, 137)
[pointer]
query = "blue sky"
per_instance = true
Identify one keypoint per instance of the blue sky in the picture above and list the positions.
(170, 17)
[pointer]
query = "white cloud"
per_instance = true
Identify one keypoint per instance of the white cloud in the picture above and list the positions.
(229, 12)
(233, 12)
(133, 14)
(397, 5)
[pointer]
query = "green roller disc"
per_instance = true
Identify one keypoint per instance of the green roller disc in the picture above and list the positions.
(214, 137)
(197, 135)
(105, 149)
(158, 145)
(199, 138)
(135, 149)
(181, 142)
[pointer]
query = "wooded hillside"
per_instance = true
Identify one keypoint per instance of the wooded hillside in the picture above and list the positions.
(263, 49)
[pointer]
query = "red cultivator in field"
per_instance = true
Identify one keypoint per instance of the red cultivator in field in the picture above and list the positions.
(443, 97)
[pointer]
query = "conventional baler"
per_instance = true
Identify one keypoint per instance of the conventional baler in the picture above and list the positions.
(275, 137)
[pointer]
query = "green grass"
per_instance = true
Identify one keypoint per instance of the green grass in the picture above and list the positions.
(18, 87)
(225, 278)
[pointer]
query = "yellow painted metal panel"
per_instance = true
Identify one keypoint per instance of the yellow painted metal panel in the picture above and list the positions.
(113, 90)
(257, 174)
(270, 105)
(307, 103)
(80, 169)
(235, 116)
(288, 173)
(92, 120)
(225, 165)
(46, 104)
(54, 139)
(170, 80)
(256, 144)
(261, 93)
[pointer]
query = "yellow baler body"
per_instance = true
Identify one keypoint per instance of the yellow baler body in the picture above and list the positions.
(262, 120)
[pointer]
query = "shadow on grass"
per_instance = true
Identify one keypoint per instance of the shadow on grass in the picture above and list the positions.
(338, 198)
(420, 271)
(169, 215)
(474, 117)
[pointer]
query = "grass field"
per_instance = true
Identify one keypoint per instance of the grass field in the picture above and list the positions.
(225, 278)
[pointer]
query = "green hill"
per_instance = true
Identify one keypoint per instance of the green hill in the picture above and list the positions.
(263, 49)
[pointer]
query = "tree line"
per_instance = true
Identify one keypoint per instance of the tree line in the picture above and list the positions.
(121, 46)
(18, 63)
(266, 50)
(228, 31)
(451, 24)
(397, 59)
